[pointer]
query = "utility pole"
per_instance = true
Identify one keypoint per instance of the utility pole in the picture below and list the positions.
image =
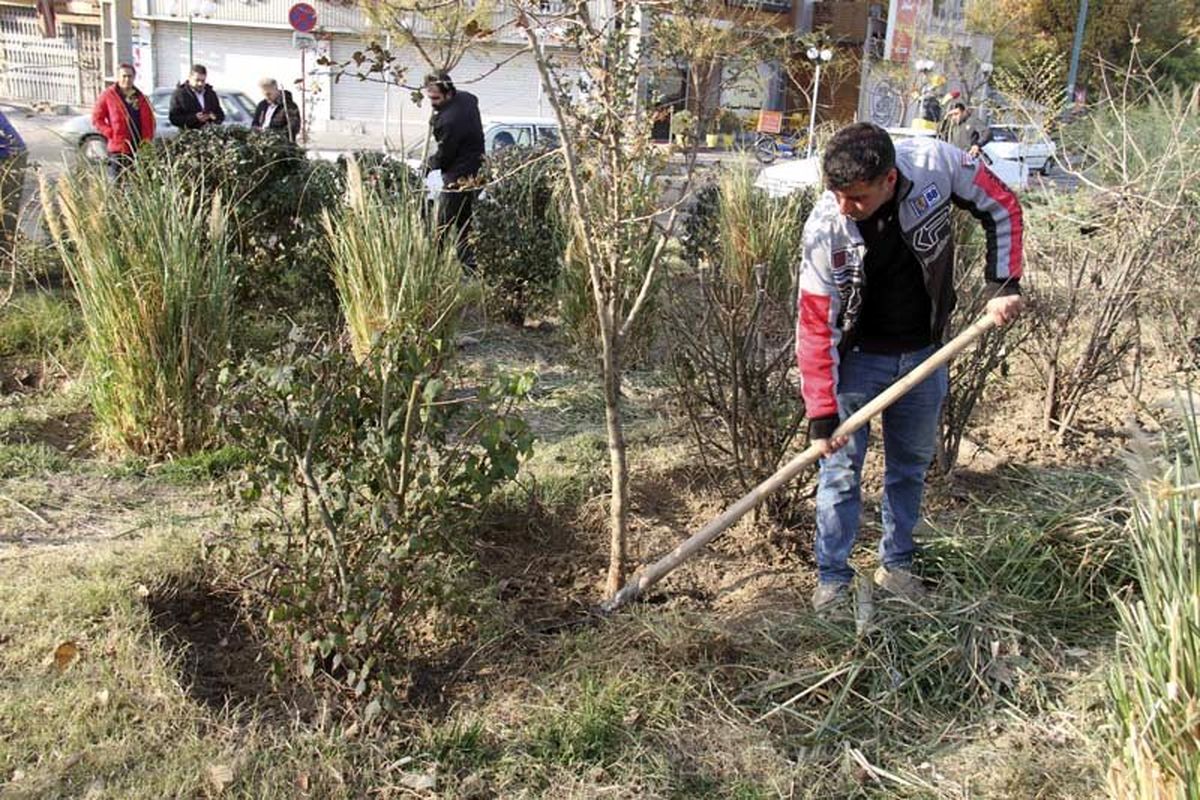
(1073, 74)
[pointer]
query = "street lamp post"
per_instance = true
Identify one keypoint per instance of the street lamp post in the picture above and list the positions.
(818, 57)
(205, 8)
(985, 69)
(923, 66)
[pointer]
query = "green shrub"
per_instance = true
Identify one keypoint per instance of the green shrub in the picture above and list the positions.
(388, 265)
(37, 323)
(150, 265)
(373, 471)
(274, 195)
(517, 232)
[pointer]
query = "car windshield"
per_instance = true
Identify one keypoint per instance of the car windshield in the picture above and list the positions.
(241, 101)
(1002, 133)
(417, 149)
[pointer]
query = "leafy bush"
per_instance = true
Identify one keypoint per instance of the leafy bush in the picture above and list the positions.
(373, 471)
(274, 195)
(388, 265)
(518, 233)
(150, 264)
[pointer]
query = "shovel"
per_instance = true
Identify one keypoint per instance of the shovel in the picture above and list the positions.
(659, 569)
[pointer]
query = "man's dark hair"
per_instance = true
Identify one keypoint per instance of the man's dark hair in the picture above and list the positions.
(957, 104)
(199, 69)
(442, 81)
(859, 152)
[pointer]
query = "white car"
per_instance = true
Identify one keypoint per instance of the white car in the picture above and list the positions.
(79, 132)
(1027, 144)
(498, 133)
(780, 180)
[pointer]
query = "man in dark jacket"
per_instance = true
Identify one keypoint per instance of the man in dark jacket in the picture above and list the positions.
(964, 130)
(194, 103)
(277, 112)
(458, 131)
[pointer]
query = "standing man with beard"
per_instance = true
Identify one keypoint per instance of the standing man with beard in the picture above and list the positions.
(194, 104)
(458, 131)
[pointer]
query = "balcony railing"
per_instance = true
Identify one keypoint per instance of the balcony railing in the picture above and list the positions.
(334, 17)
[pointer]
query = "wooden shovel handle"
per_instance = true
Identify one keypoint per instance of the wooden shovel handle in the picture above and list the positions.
(659, 569)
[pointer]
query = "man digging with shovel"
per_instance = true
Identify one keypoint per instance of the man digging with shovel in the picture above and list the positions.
(876, 292)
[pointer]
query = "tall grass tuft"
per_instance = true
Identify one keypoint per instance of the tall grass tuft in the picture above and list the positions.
(148, 257)
(1155, 693)
(388, 265)
(754, 228)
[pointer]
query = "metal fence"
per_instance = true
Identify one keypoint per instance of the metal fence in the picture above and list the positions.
(62, 71)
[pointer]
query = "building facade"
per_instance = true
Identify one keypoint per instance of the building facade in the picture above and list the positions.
(243, 41)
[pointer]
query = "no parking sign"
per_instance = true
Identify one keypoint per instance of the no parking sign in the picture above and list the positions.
(302, 17)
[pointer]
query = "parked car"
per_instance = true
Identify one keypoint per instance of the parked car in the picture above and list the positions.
(239, 110)
(498, 133)
(780, 180)
(1027, 144)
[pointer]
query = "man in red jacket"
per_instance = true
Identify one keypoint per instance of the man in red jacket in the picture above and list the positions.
(124, 117)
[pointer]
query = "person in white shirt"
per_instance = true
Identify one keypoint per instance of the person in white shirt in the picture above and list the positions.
(277, 111)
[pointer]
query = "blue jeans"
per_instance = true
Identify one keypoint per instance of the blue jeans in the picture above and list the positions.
(910, 429)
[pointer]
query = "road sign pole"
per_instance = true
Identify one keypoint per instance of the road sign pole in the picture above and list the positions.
(303, 96)
(303, 19)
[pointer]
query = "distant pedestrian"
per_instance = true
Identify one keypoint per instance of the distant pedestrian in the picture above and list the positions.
(277, 112)
(964, 130)
(123, 116)
(194, 104)
(13, 155)
(458, 130)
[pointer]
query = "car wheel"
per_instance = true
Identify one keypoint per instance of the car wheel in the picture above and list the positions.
(94, 148)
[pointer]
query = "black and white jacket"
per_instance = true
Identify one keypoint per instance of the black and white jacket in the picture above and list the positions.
(932, 176)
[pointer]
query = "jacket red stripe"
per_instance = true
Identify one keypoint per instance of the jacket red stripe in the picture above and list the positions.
(995, 189)
(816, 352)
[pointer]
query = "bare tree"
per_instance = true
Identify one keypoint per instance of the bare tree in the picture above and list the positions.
(609, 163)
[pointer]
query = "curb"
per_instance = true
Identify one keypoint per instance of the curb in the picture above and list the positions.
(42, 108)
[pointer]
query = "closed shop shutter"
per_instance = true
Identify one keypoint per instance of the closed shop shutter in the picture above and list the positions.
(512, 90)
(236, 58)
(363, 100)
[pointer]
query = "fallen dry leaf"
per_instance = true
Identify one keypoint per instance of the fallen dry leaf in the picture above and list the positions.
(102, 698)
(65, 655)
(142, 590)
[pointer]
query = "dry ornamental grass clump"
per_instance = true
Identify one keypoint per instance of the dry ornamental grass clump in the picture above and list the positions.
(150, 264)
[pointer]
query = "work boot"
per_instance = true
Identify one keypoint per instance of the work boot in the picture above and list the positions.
(900, 582)
(830, 598)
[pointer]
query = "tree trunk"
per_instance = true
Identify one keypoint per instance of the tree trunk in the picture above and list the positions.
(618, 468)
